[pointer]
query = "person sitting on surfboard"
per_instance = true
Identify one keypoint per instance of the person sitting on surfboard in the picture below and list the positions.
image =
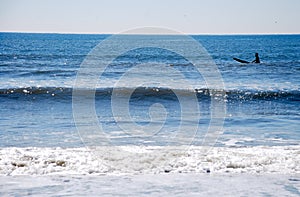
(256, 59)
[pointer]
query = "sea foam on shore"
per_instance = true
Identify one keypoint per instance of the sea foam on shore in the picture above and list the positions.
(149, 160)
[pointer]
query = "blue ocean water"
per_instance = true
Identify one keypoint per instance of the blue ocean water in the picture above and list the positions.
(38, 72)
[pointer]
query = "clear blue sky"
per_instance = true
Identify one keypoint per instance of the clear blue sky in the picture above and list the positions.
(187, 16)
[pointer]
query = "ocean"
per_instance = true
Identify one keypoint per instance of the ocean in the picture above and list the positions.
(73, 113)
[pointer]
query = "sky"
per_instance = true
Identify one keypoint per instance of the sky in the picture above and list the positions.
(186, 16)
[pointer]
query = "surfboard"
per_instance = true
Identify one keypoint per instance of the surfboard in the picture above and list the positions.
(241, 61)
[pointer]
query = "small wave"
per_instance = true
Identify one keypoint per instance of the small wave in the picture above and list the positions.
(161, 92)
(40, 56)
(37, 92)
(263, 94)
(48, 73)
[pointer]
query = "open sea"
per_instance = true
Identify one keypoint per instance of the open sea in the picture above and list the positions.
(43, 145)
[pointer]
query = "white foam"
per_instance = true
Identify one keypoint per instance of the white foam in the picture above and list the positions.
(261, 86)
(24, 83)
(149, 160)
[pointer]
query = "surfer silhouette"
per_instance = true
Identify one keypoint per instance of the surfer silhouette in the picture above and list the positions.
(257, 61)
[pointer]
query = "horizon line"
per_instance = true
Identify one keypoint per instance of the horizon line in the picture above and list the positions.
(105, 33)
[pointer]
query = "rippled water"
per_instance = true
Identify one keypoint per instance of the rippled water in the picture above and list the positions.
(38, 72)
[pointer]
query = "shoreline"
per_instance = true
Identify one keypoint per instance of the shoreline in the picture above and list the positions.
(160, 184)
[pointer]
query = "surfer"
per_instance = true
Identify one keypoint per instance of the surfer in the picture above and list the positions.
(257, 61)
